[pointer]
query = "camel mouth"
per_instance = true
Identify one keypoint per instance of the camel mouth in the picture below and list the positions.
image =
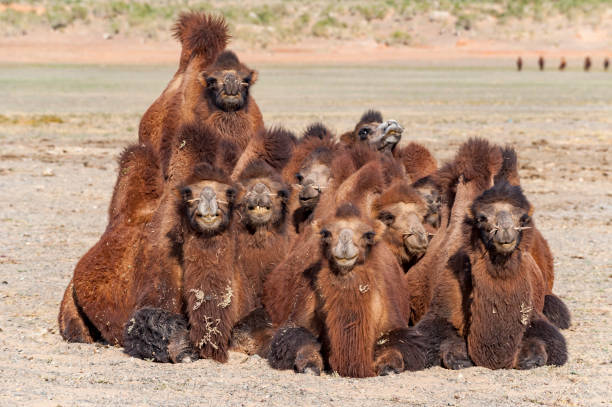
(208, 222)
(505, 247)
(230, 102)
(345, 262)
(260, 214)
(309, 200)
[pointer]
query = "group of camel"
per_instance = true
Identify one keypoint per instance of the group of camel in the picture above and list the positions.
(563, 64)
(351, 254)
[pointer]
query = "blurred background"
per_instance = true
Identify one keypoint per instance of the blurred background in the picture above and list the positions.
(423, 32)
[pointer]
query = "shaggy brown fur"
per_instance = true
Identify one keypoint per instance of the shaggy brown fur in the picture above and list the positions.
(432, 194)
(460, 181)
(341, 305)
(273, 146)
(488, 301)
(202, 37)
(310, 169)
(211, 86)
(99, 298)
(477, 160)
(368, 121)
(262, 238)
(136, 257)
(371, 131)
(402, 209)
(217, 95)
(236, 283)
(217, 293)
(418, 162)
(554, 308)
(346, 305)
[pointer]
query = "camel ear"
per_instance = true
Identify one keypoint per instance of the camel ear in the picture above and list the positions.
(203, 79)
(252, 78)
(470, 213)
(530, 212)
(347, 138)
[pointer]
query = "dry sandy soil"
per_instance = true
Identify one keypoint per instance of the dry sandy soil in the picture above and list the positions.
(61, 128)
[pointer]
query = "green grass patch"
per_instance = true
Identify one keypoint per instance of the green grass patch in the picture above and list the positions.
(33, 121)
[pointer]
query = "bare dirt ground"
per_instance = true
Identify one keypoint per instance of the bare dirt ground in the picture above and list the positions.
(61, 128)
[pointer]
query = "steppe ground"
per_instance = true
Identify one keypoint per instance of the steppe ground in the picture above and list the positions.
(62, 127)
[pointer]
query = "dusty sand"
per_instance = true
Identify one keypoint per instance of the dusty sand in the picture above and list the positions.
(56, 180)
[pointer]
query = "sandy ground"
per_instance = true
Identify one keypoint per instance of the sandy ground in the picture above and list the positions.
(61, 129)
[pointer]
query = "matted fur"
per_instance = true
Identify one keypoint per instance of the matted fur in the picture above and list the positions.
(476, 160)
(491, 301)
(370, 116)
(539, 249)
(262, 247)
(154, 334)
(317, 130)
(188, 99)
(200, 34)
(273, 146)
(91, 306)
(418, 162)
(346, 315)
(203, 37)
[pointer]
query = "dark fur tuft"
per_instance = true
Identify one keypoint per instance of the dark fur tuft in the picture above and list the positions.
(258, 169)
(151, 332)
(556, 311)
(278, 146)
(410, 343)
(200, 34)
(206, 171)
(425, 181)
(285, 345)
(317, 130)
(228, 154)
(227, 60)
(347, 210)
(200, 139)
(502, 192)
(556, 348)
(477, 160)
(371, 116)
(509, 170)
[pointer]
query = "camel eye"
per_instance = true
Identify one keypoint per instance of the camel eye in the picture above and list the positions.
(363, 133)
(386, 217)
(283, 193)
(299, 177)
(325, 234)
(369, 236)
(210, 81)
(230, 193)
(525, 219)
(186, 193)
(481, 218)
